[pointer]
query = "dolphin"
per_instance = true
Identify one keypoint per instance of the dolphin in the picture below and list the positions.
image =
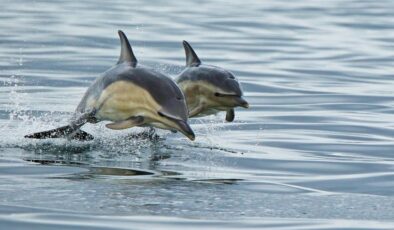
(209, 89)
(128, 95)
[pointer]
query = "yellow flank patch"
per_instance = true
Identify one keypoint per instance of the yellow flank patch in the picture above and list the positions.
(123, 99)
(201, 95)
(197, 92)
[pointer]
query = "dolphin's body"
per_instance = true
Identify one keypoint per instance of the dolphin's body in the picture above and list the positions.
(128, 95)
(209, 89)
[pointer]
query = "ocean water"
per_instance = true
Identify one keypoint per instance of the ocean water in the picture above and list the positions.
(314, 151)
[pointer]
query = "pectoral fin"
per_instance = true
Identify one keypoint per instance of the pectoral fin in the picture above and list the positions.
(131, 122)
(230, 115)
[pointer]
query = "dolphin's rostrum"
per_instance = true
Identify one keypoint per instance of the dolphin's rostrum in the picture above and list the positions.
(209, 89)
(128, 95)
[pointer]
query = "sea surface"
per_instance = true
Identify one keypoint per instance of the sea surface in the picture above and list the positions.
(315, 150)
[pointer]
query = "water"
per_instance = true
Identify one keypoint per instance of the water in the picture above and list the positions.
(314, 151)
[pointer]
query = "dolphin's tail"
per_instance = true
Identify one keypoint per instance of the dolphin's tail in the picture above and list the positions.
(65, 131)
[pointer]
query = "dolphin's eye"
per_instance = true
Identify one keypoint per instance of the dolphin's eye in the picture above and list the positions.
(231, 77)
(218, 95)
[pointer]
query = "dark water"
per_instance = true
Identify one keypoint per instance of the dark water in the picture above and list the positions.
(314, 151)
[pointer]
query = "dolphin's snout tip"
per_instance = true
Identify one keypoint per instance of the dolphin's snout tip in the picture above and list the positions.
(242, 102)
(190, 134)
(185, 128)
(192, 137)
(245, 105)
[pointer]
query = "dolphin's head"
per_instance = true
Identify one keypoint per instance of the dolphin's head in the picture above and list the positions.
(173, 112)
(219, 86)
(164, 100)
(222, 87)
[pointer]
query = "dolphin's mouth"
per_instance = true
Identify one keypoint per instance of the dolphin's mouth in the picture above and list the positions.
(185, 128)
(180, 125)
(241, 102)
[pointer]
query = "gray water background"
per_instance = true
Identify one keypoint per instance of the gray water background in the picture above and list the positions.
(315, 150)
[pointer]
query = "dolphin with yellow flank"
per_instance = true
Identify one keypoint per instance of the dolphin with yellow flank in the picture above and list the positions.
(209, 89)
(128, 95)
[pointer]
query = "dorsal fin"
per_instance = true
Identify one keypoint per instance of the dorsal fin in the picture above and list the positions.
(191, 56)
(126, 53)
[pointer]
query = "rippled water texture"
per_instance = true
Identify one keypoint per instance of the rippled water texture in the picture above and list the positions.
(315, 150)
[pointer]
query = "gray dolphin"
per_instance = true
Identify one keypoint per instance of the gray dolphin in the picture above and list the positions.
(128, 95)
(209, 89)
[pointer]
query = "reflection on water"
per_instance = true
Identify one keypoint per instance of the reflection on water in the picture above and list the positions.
(315, 150)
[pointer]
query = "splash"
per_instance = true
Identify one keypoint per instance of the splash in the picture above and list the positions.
(126, 145)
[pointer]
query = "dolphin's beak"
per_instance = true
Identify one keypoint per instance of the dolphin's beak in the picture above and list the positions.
(185, 128)
(241, 102)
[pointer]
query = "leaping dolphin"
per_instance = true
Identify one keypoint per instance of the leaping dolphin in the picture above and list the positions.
(128, 95)
(209, 89)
